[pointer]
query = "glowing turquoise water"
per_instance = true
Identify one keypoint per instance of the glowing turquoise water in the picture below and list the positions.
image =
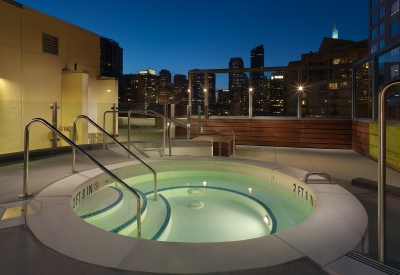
(200, 206)
(223, 217)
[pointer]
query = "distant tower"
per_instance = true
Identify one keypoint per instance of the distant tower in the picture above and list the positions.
(257, 61)
(165, 78)
(335, 32)
(236, 80)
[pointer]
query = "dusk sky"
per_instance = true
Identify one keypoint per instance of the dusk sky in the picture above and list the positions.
(182, 35)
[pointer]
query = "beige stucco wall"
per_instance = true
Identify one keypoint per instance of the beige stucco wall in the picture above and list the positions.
(31, 80)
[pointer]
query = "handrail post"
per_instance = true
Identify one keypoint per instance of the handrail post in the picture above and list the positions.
(129, 132)
(382, 171)
(169, 137)
(73, 149)
(25, 193)
(104, 127)
(164, 126)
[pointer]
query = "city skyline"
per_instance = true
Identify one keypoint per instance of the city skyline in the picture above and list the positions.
(180, 36)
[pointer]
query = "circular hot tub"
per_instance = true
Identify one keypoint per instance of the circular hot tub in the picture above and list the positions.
(186, 229)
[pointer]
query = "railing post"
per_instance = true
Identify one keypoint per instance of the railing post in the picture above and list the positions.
(25, 194)
(251, 94)
(199, 118)
(54, 119)
(129, 132)
(165, 126)
(188, 110)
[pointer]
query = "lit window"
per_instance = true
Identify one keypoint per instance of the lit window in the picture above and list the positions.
(394, 28)
(382, 11)
(394, 70)
(332, 86)
(374, 33)
(394, 7)
(381, 28)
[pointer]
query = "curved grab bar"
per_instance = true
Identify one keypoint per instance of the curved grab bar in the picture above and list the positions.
(217, 130)
(325, 175)
(118, 143)
(154, 113)
(104, 123)
(105, 170)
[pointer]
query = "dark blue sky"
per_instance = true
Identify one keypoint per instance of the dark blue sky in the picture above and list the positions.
(181, 35)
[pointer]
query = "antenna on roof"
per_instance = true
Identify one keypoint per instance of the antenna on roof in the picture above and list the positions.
(335, 32)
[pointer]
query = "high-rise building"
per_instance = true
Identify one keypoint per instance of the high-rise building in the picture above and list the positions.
(198, 87)
(165, 89)
(328, 91)
(384, 45)
(384, 27)
(111, 61)
(181, 87)
(257, 61)
(165, 78)
(150, 80)
(236, 80)
(257, 83)
(133, 96)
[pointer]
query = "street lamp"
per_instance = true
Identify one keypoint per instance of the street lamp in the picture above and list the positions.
(205, 103)
(250, 101)
(299, 97)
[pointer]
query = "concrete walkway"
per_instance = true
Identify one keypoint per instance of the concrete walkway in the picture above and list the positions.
(20, 253)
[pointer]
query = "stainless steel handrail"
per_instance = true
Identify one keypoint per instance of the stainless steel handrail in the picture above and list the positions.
(104, 124)
(217, 130)
(382, 171)
(325, 175)
(129, 128)
(154, 113)
(72, 144)
(118, 143)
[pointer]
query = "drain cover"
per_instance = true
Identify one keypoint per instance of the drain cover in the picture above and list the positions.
(196, 204)
(194, 191)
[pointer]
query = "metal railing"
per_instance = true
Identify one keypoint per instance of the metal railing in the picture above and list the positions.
(382, 171)
(217, 130)
(113, 139)
(155, 114)
(72, 144)
(181, 124)
(323, 174)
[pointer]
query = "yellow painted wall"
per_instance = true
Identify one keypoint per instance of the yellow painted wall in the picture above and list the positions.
(31, 80)
(10, 99)
(10, 25)
(74, 103)
(392, 144)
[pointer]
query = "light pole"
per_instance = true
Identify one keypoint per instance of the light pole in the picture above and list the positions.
(205, 103)
(250, 102)
(299, 98)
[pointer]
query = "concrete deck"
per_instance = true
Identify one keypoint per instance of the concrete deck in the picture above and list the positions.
(21, 253)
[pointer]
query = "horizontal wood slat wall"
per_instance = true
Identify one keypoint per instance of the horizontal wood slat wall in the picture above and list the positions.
(332, 134)
(360, 137)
